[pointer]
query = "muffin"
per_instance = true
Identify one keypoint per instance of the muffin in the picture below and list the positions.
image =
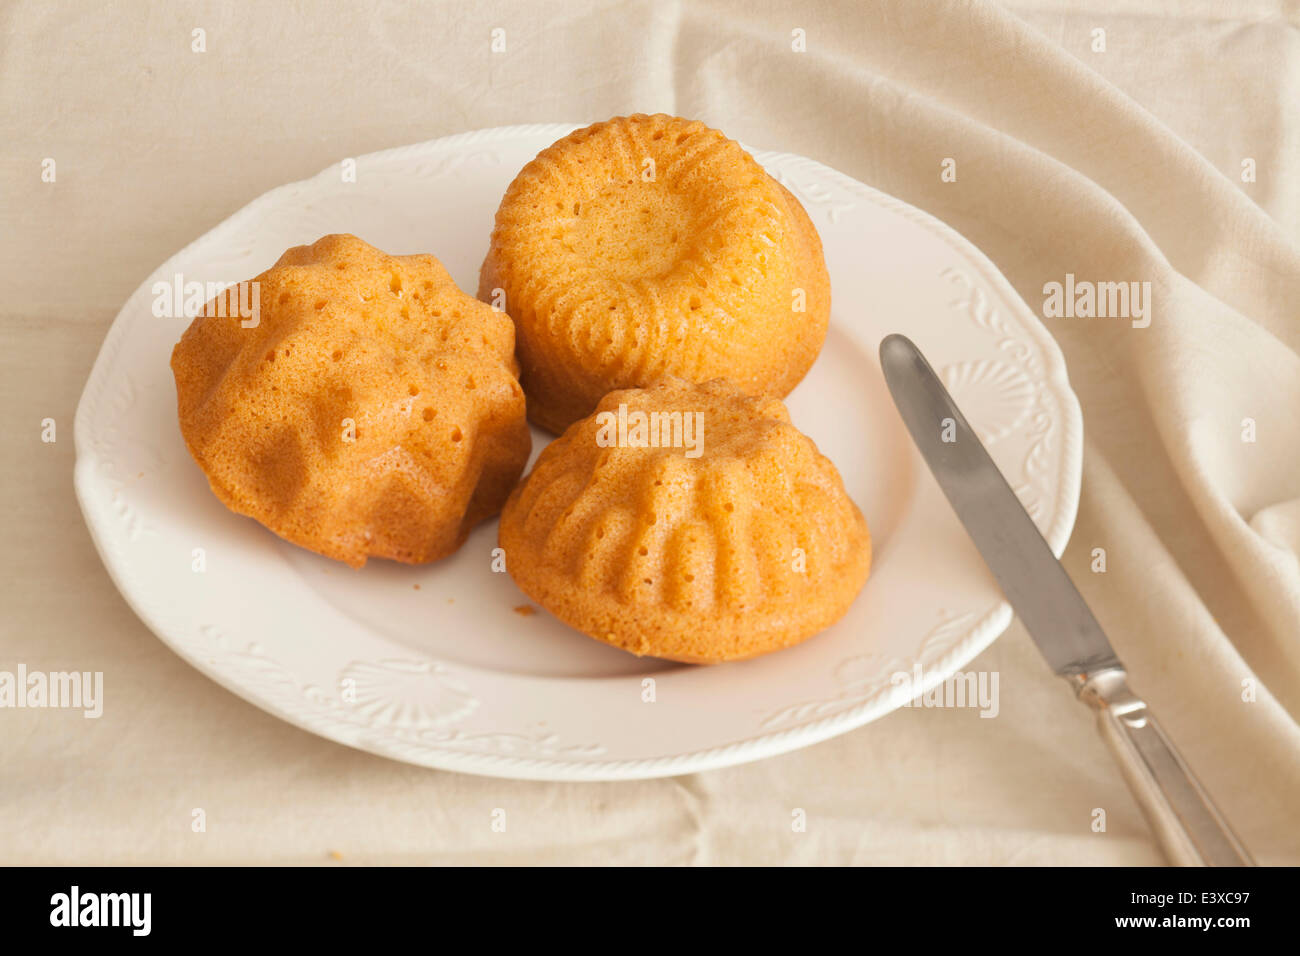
(687, 522)
(370, 409)
(648, 246)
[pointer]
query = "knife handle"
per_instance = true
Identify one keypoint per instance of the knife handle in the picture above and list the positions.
(1189, 827)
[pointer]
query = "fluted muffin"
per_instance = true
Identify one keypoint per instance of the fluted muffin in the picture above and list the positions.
(720, 535)
(648, 246)
(371, 410)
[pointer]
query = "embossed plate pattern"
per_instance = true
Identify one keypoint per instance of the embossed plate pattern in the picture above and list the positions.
(433, 665)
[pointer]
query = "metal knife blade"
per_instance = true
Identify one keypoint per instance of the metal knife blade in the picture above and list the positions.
(1038, 588)
(1183, 816)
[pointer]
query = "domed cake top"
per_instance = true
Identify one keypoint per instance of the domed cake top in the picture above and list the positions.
(359, 410)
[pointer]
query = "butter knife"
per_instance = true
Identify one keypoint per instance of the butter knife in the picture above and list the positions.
(1188, 826)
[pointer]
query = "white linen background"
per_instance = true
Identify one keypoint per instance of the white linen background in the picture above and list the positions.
(1116, 165)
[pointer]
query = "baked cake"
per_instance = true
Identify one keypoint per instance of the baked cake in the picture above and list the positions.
(648, 246)
(371, 409)
(688, 522)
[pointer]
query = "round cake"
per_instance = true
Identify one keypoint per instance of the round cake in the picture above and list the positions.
(688, 522)
(367, 408)
(648, 246)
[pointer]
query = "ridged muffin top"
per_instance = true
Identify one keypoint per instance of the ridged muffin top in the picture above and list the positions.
(694, 498)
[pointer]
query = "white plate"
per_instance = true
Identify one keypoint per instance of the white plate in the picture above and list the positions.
(437, 666)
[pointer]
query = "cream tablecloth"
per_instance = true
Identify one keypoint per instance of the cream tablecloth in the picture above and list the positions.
(1114, 165)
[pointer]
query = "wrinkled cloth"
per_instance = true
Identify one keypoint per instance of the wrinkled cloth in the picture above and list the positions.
(1164, 149)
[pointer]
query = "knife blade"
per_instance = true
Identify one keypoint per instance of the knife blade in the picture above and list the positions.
(1181, 812)
(1039, 590)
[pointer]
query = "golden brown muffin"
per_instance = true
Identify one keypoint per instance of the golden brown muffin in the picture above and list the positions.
(372, 410)
(732, 538)
(648, 246)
